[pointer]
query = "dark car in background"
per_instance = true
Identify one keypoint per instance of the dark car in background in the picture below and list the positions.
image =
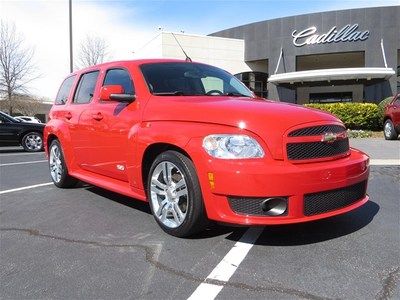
(391, 127)
(14, 133)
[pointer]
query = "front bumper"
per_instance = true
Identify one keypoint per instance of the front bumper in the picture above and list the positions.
(265, 178)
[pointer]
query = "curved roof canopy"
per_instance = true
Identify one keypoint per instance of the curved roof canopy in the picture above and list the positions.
(331, 75)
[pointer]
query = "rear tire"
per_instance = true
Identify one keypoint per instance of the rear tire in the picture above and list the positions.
(32, 142)
(389, 131)
(175, 196)
(58, 168)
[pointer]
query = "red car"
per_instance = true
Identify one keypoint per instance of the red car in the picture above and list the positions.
(391, 127)
(196, 144)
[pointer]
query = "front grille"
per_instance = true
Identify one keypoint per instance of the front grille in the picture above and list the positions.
(249, 206)
(311, 150)
(317, 130)
(318, 203)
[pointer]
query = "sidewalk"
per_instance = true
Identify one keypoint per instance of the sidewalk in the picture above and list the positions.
(378, 148)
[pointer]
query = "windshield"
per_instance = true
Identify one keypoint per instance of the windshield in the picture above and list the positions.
(189, 79)
(8, 117)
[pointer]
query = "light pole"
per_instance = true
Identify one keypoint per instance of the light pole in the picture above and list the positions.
(71, 59)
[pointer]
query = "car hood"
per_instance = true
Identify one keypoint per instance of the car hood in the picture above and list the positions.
(267, 119)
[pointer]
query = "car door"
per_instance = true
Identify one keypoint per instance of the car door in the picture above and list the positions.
(79, 119)
(111, 122)
(9, 131)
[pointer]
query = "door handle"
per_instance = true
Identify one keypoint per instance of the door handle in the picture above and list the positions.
(97, 116)
(68, 116)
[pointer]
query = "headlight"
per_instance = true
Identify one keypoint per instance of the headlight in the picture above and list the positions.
(227, 146)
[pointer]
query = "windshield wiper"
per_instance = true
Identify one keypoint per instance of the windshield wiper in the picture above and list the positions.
(237, 95)
(175, 93)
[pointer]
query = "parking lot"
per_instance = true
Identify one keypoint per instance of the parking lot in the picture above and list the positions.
(89, 243)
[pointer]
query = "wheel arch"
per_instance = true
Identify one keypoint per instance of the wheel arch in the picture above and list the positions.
(51, 137)
(150, 154)
(385, 118)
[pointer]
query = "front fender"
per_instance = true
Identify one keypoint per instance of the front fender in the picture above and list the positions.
(174, 133)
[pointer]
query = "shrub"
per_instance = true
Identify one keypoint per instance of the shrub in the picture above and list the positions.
(359, 133)
(385, 102)
(382, 106)
(365, 116)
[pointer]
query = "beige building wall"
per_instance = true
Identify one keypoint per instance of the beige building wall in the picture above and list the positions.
(152, 49)
(225, 53)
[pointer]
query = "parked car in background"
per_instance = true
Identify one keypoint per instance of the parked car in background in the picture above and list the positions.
(28, 119)
(391, 127)
(14, 132)
(196, 143)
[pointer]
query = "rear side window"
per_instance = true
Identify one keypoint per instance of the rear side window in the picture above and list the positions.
(87, 83)
(120, 77)
(63, 92)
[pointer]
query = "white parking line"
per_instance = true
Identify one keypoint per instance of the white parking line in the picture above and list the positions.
(384, 162)
(227, 267)
(25, 188)
(23, 163)
(22, 153)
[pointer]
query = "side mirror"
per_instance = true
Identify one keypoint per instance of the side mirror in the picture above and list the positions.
(115, 93)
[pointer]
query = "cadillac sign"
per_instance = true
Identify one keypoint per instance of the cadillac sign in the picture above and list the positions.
(348, 33)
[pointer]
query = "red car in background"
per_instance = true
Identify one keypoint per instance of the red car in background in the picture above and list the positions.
(195, 143)
(391, 127)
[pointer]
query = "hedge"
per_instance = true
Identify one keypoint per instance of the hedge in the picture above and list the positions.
(383, 104)
(366, 116)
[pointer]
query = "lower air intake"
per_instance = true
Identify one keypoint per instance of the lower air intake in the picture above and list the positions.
(322, 202)
(272, 207)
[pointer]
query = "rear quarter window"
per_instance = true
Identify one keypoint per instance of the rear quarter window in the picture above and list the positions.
(64, 91)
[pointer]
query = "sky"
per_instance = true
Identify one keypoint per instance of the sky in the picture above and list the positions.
(128, 25)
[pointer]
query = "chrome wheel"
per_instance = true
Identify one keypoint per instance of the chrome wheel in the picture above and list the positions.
(388, 129)
(33, 142)
(169, 194)
(56, 166)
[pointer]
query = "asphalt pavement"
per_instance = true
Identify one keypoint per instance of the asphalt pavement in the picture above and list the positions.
(88, 243)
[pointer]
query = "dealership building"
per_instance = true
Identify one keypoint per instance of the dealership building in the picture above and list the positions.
(335, 56)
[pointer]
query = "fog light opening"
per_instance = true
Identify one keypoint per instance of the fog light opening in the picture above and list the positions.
(274, 206)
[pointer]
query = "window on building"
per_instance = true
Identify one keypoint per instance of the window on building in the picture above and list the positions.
(330, 61)
(86, 86)
(331, 97)
(255, 81)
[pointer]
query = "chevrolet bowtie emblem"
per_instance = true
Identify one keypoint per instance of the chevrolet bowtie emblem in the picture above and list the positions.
(331, 137)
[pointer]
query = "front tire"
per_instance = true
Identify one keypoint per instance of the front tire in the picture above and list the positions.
(389, 131)
(175, 196)
(32, 142)
(58, 168)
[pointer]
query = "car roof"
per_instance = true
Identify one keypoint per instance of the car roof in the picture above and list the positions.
(133, 62)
